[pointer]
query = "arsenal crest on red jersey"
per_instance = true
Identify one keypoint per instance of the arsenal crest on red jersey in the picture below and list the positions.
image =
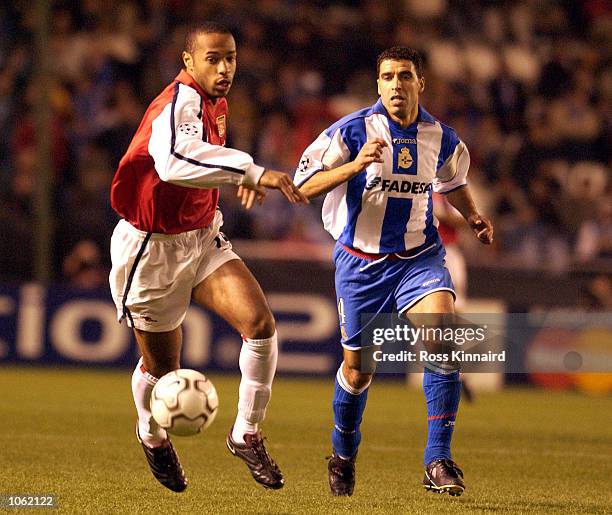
(220, 121)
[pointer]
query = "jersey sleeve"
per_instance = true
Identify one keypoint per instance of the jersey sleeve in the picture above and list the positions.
(328, 151)
(183, 157)
(453, 166)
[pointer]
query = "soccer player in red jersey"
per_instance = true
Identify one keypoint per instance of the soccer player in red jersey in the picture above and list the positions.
(168, 249)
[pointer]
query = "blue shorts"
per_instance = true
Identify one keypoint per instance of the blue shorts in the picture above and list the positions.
(367, 287)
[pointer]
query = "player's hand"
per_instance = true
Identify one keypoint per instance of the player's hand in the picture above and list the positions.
(482, 227)
(281, 181)
(370, 153)
(248, 196)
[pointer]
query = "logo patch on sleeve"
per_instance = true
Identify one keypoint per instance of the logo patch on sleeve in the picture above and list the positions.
(191, 129)
(304, 164)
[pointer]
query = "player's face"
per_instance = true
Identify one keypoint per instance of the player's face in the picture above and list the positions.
(399, 87)
(212, 63)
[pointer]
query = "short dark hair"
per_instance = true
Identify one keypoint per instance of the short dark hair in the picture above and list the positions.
(401, 53)
(206, 27)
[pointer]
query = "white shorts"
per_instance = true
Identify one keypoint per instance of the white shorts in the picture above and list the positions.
(455, 262)
(153, 276)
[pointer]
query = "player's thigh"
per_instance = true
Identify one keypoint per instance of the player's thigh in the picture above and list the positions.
(435, 302)
(434, 309)
(234, 294)
(160, 351)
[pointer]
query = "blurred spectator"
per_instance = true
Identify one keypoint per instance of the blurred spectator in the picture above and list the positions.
(595, 235)
(82, 267)
(598, 294)
(84, 206)
(24, 136)
(118, 120)
(526, 84)
(16, 218)
(509, 101)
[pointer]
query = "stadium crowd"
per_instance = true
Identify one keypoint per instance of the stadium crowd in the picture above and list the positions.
(524, 83)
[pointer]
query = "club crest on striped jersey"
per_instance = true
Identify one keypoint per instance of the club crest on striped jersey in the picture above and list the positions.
(404, 159)
(220, 121)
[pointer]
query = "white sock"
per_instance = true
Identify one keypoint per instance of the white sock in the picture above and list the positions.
(258, 365)
(142, 385)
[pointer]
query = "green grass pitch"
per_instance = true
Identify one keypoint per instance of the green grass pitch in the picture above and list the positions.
(71, 433)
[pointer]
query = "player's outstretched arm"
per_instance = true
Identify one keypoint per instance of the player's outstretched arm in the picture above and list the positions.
(182, 154)
(326, 180)
(461, 199)
(271, 179)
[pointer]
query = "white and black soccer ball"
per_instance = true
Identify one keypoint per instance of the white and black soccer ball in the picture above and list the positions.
(184, 402)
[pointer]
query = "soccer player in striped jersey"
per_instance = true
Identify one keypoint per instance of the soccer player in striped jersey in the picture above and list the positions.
(168, 248)
(378, 168)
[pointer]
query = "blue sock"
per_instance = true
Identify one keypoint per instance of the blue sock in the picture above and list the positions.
(348, 405)
(442, 394)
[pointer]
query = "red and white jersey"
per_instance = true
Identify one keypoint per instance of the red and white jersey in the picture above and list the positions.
(167, 180)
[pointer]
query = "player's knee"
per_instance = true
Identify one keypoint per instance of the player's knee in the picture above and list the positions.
(357, 379)
(260, 325)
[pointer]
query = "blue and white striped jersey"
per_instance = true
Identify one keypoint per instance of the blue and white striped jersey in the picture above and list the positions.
(387, 207)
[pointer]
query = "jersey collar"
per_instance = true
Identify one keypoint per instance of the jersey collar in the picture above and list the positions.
(422, 117)
(184, 78)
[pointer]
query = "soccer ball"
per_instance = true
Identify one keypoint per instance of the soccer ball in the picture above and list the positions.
(184, 402)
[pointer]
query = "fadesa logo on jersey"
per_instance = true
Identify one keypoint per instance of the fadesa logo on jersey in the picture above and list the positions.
(390, 185)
